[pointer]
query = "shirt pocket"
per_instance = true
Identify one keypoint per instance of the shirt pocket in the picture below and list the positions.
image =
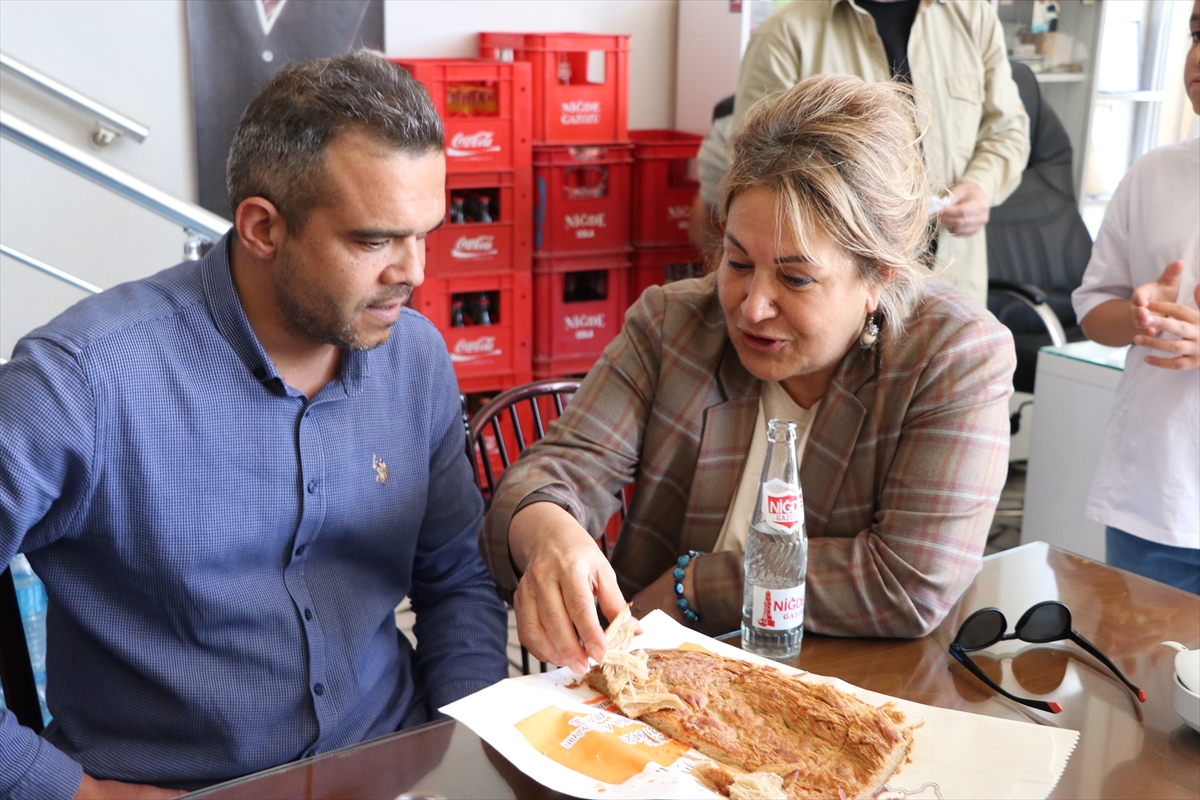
(964, 107)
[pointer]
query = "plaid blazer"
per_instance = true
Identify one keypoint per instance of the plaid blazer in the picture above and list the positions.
(903, 469)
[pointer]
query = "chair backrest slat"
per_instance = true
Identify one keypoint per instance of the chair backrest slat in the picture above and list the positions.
(506, 411)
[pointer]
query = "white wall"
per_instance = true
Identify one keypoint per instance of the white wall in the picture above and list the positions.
(133, 56)
(710, 54)
(448, 28)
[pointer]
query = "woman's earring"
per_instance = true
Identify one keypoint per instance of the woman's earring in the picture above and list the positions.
(870, 333)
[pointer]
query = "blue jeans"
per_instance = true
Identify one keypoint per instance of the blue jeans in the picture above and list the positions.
(1175, 566)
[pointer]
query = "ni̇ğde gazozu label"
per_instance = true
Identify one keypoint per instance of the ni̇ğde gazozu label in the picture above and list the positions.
(783, 509)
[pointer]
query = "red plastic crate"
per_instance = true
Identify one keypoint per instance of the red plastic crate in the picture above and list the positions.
(486, 108)
(492, 248)
(654, 266)
(486, 357)
(581, 305)
(581, 199)
(577, 96)
(663, 189)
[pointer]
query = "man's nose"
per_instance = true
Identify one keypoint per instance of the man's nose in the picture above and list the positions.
(408, 266)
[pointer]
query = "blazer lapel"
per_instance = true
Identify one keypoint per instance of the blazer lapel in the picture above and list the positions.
(832, 440)
(728, 427)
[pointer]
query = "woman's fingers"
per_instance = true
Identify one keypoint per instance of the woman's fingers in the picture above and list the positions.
(556, 605)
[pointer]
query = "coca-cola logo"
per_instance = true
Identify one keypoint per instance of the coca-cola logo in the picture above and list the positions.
(577, 322)
(468, 247)
(474, 349)
(581, 220)
(580, 112)
(679, 212)
(464, 145)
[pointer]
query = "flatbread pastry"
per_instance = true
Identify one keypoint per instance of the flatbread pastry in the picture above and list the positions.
(822, 742)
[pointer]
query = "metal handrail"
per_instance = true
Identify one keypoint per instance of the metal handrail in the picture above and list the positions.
(42, 266)
(110, 123)
(198, 221)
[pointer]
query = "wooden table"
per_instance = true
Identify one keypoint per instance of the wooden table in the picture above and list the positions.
(1126, 749)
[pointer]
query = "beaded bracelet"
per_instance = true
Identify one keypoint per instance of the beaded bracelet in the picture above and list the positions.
(688, 613)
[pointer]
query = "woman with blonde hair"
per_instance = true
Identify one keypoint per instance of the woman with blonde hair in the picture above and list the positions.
(820, 310)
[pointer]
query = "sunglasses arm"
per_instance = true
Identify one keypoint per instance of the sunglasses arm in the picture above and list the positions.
(961, 657)
(1103, 659)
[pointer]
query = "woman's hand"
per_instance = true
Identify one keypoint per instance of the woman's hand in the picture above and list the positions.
(564, 575)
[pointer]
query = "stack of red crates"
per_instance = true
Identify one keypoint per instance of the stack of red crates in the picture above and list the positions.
(664, 188)
(582, 171)
(478, 265)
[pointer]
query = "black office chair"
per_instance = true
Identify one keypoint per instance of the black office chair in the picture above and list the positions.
(16, 671)
(1038, 246)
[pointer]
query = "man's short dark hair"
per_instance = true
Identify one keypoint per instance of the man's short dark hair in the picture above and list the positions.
(278, 149)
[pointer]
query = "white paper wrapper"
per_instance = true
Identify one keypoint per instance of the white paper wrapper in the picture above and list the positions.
(954, 755)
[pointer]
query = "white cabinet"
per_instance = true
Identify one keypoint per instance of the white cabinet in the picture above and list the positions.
(1076, 386)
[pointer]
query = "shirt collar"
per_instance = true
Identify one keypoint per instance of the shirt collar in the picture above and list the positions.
(230, 320)
(924, 4)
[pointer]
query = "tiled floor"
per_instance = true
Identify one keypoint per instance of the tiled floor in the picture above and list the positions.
(1005, 533)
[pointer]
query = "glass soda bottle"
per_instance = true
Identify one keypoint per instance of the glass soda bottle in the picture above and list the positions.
(31, 598)
(776, 553)
(483, 313)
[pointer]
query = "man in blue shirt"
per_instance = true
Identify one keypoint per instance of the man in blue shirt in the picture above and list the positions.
(230, 473)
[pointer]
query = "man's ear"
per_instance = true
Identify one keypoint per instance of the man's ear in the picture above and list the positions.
(260, 227)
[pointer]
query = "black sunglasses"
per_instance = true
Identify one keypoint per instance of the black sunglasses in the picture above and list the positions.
(1048, 621)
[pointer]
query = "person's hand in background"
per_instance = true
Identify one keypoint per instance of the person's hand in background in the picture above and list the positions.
(968, 211)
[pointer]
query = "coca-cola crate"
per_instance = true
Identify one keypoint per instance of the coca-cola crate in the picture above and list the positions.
(581, 198)
(654, 266)
(471, 247)
(581, 303)
(486, 108)
(664, 186)
(580, 83)
(490, 352)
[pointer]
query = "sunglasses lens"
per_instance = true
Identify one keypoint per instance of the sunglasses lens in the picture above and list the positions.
(1045, 623)
(981, 629)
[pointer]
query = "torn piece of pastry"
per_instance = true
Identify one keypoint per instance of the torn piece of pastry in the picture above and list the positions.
(625, 672)
(820, 741)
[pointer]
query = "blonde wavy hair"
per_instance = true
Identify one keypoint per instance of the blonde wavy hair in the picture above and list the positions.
(845, 155)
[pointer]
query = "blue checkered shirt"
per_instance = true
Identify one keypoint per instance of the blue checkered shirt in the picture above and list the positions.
(222, 554)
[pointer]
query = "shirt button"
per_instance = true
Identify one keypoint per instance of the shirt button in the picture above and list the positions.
(300, 550)
(312, 486)
(308, 614)
(319, 689)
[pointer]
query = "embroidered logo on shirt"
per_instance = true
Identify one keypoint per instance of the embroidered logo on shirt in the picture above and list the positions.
(381, 470)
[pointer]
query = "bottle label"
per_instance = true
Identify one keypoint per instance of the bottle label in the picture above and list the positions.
(778, 609)
(783, 505)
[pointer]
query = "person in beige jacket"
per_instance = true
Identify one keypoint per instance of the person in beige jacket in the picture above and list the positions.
(978, 142)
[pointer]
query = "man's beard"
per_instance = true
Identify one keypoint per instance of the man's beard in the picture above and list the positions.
(323, 321)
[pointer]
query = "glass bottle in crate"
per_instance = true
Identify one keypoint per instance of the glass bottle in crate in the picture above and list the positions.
(776, 553)
(483, 314)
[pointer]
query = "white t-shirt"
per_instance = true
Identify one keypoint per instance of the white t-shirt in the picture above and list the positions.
(1148, 479)
(774, 403)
